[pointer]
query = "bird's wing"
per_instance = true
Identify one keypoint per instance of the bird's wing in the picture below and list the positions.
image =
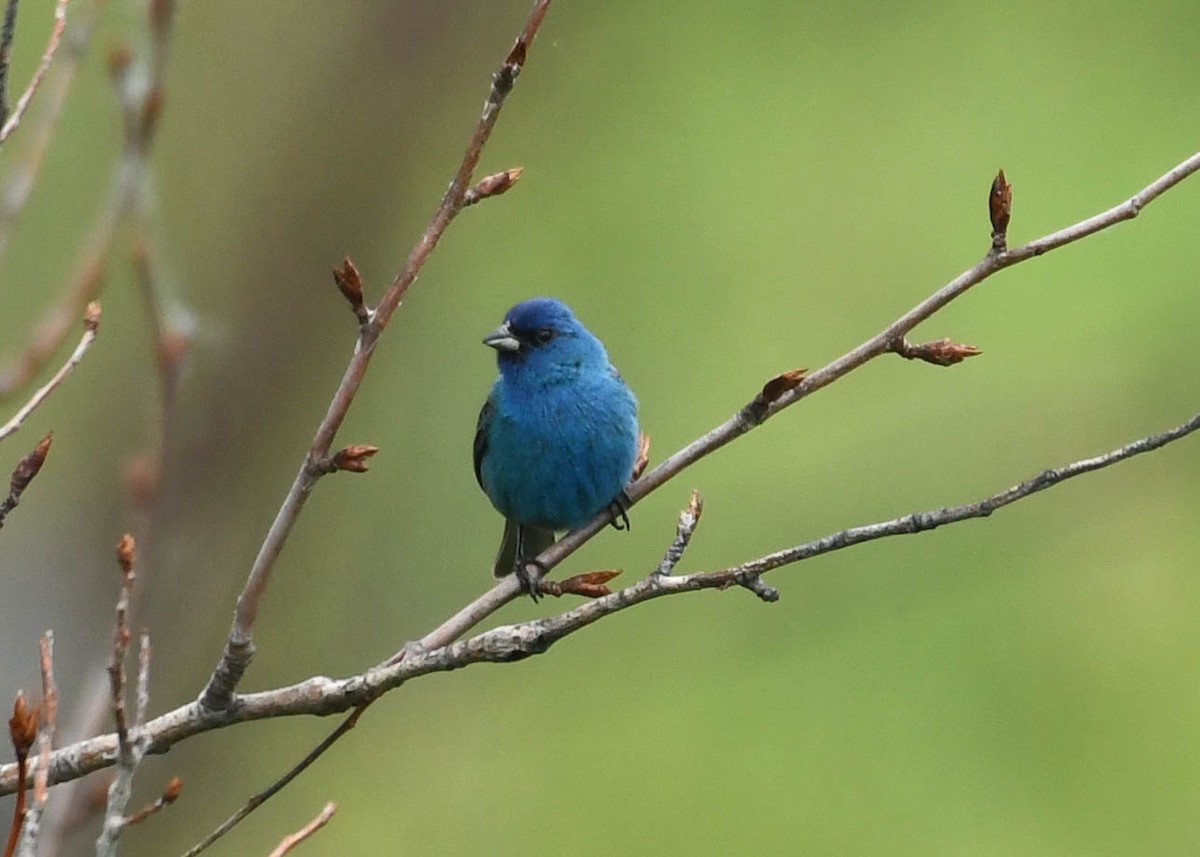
(481, 438)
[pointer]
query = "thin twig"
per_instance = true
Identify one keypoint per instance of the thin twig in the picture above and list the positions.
(763, 407)
(22, 730)
(60, 20)
(35, 140)
(324, 696)
(27, 468)
(170, 794)
(258, 799)
(131, 743)
(688, 519)
(42, 776)
(239, 649)
(291, 841)
(6, 40)
(141, 108)
(91, 324)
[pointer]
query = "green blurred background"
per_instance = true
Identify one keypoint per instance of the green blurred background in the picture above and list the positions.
(721, 191)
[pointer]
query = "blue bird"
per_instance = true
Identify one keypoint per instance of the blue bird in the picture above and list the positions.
(557, 437)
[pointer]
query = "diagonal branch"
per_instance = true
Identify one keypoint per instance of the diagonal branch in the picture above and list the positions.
(91, 324)
(12, 121)
(239, 648)
(761, 408)
(324, 696)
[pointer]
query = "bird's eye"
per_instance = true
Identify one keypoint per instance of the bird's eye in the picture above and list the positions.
(544, 335)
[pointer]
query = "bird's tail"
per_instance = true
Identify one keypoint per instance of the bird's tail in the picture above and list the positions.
(536, 540)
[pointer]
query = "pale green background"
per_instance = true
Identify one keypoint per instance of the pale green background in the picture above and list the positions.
(722, 191)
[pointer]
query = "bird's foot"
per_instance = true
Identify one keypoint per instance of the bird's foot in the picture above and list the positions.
(619, 509)
(530, 583)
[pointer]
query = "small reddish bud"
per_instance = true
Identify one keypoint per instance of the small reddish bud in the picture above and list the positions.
(941, 352)
(22, 726)
(173, 789)
(29, 466)
(126, 549)
(591, 584)
(349, 283)
(780, 384)
(353, 458)
(493, 185)
(999, 210)
(643, 456)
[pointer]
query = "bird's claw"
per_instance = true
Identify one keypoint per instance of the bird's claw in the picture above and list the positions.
(619, 509)
(529, 583)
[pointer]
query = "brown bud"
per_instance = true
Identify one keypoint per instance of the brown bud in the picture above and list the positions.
(172, 791)
(125, 554)
(591, 584)
(91, 316)
(349, 283)
(22, 726)
(493, 185)
(780, 384)
(941, 352)
(999, 209)
(353, 458)
(29, 466)
(643, 456)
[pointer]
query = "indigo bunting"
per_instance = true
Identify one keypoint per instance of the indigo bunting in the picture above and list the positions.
(557, 437)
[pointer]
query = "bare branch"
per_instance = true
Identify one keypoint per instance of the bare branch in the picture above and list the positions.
(91, 324)
(6, 40)
(27, 468)
(42, 774)
(22, 730)
(131, 744)
(689, 518)
(290, 842)
(60, 20)
(239, 649)
(23, 173)
(257, 800)
(324, 696)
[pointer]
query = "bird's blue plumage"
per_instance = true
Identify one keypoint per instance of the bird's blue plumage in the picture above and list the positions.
(557, 436)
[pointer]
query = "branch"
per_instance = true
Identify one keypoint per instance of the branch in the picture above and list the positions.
(239, 649)
(6, 40)
(131, 743)
(91, 324)
(60, 21)
(22, 731)
(257, 800)
(140, 98)
(323, 696)
(23, 174)
(42, 777)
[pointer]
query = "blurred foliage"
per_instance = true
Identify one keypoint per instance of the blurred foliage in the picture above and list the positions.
(721, 191)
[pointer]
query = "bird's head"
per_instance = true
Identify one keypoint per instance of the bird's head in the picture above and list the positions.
(541, 335)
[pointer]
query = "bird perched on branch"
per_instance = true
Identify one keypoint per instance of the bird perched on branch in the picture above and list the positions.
(557, 437)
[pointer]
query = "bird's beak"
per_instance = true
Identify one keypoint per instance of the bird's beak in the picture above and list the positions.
(502, 339)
